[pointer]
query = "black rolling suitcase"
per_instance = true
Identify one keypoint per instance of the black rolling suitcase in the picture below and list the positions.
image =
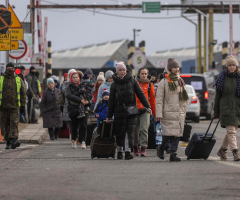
(103, 144)
(201, 144)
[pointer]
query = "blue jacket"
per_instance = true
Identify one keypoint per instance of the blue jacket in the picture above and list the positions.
(103, 113)
(106, 85)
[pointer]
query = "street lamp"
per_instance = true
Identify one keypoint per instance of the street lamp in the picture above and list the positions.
(134, 34)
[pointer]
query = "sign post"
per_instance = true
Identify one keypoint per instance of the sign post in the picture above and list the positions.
(151, 7)
(231, 28)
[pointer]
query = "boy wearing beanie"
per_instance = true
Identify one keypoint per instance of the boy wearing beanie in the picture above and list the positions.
(102, 106)
(86, 91)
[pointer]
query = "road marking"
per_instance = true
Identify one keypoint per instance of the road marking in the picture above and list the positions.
(229, 162)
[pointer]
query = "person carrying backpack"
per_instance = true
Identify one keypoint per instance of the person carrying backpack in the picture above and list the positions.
(144, 81)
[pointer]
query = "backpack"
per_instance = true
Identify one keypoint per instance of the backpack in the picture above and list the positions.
(61, 99)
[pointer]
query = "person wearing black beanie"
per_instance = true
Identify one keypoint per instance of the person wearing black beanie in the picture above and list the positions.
(154, 77)
(33, 89)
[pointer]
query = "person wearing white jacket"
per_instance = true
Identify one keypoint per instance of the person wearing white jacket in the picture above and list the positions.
(171, 102)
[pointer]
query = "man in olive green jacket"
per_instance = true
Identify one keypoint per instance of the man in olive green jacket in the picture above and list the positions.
(227, 106)
(12, 96)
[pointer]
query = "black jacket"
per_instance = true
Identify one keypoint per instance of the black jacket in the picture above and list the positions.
(123, 91)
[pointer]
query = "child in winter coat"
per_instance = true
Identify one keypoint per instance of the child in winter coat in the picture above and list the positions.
(86, 91)
(102, 106)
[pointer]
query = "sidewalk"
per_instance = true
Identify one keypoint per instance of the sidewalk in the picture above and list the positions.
(33, 133)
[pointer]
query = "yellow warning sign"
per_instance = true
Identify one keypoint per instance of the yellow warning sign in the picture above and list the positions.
(5, 42)
(16, 23)
(14, 45)
(16, 33)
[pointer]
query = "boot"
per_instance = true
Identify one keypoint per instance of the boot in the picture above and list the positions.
(135, 151)
(160, 152)
(174, 158)
(236, 156)
(56, 134)
(128, 155)
(222, 154)
(8, 145)
(14, 143)
(143, 152)
(51, 135)
(120, 155)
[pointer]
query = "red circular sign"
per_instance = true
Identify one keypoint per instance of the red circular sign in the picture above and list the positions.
(18, 71)
(23, 54)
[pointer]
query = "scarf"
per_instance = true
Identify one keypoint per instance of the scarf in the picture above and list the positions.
(220, 81)
(72, 80)
(174, 81)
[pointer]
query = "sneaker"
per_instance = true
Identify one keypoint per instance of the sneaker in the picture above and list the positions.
(83, 145)
(135, 151)
(81, 115)
(222, 154)
(143, 151)
(74, 145)
(120, 155)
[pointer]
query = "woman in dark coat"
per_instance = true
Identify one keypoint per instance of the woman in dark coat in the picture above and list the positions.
(52, 115)
(227, 106)
(123, 90)
(79, 125)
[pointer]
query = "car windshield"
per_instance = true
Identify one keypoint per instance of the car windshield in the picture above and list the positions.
(189, 90)
(197, 82)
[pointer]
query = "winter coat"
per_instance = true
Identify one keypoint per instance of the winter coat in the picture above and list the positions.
(65, 106)
(123, 91)
(74, 96)
(170, 109)
(227, 103)
(52, 115)
(9, 93)
(151, 98)
(103, 113)
(32, 85)
(105, 85)
(93, 79)
(95, 93)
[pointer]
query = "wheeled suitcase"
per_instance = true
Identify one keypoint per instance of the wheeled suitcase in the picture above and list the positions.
(186, 133)
(103, 144)
(201, 144)
(92, 124)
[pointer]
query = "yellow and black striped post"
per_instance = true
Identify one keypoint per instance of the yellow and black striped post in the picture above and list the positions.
(142, 47)
(49, 66)
(131, 50)
(236, 47)
(224, 53)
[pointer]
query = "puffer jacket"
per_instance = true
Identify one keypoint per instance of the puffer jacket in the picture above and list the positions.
(65, 106)
(170, 109)
(103, 107)
(123, 91)
(151, 98)
(52, 115)
(227, 103)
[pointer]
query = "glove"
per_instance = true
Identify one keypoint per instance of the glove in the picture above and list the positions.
(22, 109)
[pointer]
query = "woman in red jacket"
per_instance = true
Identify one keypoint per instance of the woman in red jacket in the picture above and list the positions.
(144, 80)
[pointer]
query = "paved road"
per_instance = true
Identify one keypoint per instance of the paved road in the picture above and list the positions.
(55, 171)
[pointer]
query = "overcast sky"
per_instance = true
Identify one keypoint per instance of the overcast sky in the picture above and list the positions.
(71, 28)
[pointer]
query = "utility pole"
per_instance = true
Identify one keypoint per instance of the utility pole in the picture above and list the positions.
(32, 21)
(210, 37)
(7, 52)
(199, 44)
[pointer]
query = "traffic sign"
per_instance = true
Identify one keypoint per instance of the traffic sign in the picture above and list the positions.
(151, 7)
(35, 60)
(5, 42)
(139, 59)
(16, 23)
(16, 33)
(22, 50)
(14, 45)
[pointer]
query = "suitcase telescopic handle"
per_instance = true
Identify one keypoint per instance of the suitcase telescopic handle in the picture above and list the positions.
(104, 121)
(209, 128)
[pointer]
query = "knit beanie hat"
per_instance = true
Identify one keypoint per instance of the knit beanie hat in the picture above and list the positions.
(108, 74)
(85, 78)
(50, 80)
(105, 92)
(154, 73)
(120, 65)
(89, 71)
(100, 76)
(10, 65)
(71, 71)
(32, 67)
(64, 75)
(231, 60)
(172, 63)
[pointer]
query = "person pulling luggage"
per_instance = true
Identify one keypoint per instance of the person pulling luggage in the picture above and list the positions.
(226, 106)
(171, 102)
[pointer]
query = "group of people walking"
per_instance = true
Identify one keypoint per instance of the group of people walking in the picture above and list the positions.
(129, 100)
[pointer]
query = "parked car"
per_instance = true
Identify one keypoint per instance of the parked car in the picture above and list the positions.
(193, 109)
(204, 91)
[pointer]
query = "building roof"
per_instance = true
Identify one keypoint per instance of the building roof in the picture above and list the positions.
(92, 56)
